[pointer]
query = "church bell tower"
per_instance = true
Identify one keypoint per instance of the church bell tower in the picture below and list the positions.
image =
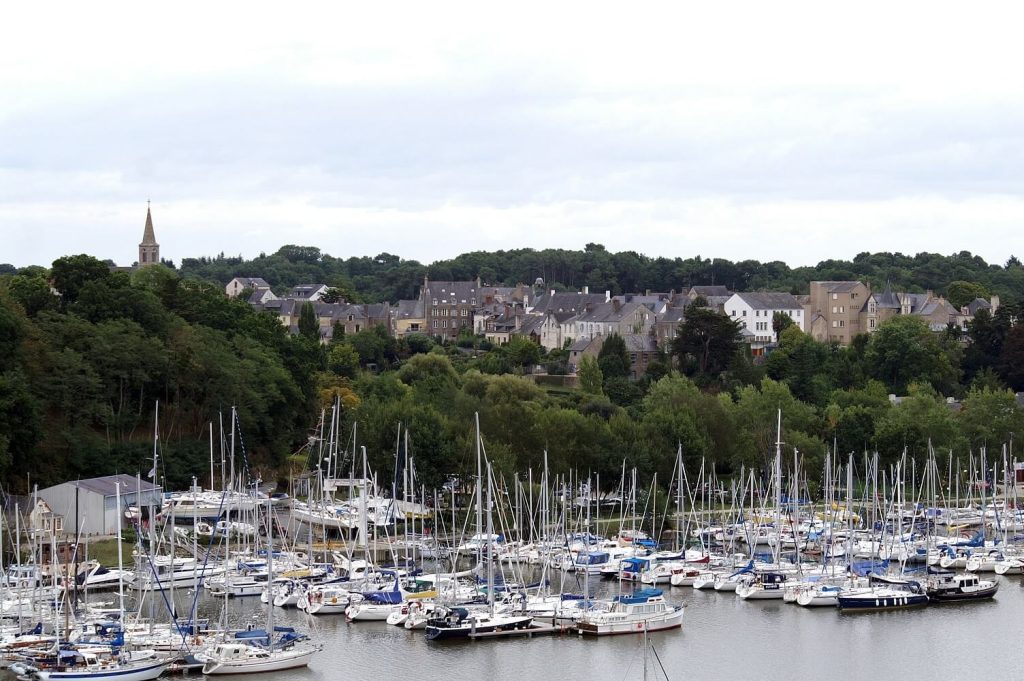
(149, 249)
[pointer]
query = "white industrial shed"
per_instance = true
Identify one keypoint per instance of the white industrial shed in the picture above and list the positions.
(90, 506)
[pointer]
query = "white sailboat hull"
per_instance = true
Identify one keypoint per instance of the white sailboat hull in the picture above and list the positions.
(276, 661)
(129, 672)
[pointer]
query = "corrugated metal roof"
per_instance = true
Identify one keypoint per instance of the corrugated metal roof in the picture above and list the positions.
(106, 485)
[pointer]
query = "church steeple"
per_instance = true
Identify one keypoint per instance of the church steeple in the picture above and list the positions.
(149, 249)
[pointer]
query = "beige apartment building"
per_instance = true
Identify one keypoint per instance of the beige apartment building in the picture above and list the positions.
(833, 310)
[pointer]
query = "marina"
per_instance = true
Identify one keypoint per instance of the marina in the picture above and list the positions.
(713, 587)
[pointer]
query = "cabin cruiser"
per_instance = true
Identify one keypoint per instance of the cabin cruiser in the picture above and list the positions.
(645, 610)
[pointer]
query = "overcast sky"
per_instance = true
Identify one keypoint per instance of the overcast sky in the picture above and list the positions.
(791, 131)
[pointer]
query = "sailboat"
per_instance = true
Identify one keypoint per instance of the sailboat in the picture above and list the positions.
(460, 622)
(257, 650)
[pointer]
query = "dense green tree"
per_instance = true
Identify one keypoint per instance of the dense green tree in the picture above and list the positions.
(309, 325)
(757, 409)
(622, 391)
(343, 360)
(70, 273)
(921, 419)
(590, 375)
(418, 343)
(613, 358)
(1011, 358)
(960, 293)
(780, 322)
(677, 414)
(522, 353)
(851, 415)
(20, 422)
(32, 293)
(904, 350)
(990, 417)
(799, 360)
(705, 342)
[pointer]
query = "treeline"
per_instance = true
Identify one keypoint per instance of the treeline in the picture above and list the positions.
(388, 277)
(81, 372)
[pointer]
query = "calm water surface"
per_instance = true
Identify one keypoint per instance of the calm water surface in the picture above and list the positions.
(723, 638)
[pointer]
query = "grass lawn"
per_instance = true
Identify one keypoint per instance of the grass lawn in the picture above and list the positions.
(105, 551)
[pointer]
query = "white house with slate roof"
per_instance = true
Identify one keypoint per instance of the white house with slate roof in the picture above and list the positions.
(239, 284)
(755, 312)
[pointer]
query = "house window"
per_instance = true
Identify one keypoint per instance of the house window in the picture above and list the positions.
(871, 323)
(357, 328)
(744, 313)
(842, 309)
(842, 323)
(465, 312)
(835, 309)
(435, 302)
(835, 324)
(835, 296)
(436, 323)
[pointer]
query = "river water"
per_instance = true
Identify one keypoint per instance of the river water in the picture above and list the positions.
(723, 638)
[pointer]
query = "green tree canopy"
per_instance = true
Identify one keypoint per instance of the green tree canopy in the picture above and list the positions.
(613, 358)
(904, 350)
(706, 342)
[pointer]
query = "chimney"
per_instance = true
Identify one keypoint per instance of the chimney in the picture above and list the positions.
(616, 304)
(586, 290)
(607, 296)
(995, 303)
(552, 293)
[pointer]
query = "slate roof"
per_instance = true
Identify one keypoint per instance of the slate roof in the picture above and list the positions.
(636, 342)
(566, 302)
(451, 292)
(978, 304)
(673, 314)
(409, 309)
(611, 312)
(770, 301)
(707, 291)
(531, 325)
(839, 286)
(582, 344)
(887, 299)
(302, 291)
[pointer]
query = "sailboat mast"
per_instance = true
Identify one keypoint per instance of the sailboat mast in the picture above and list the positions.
(490, 531)
(778, 488)
(479, 491)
